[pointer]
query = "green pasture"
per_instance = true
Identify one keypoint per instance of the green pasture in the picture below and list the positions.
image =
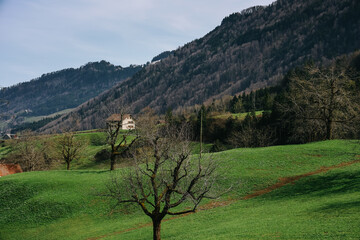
(4, 150)
(38, 118)
(65, 205)
(240, 116)
(95, 141)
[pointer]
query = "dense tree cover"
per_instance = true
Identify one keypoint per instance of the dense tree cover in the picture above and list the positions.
(320, 103)
(162, 56)
(312, 104)
(249, 50)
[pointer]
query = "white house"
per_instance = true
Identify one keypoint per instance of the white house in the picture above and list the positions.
(127, 122)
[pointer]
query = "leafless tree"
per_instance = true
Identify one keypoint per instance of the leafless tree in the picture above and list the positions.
(30, 151)
(164, 174)
(323, 98)
(252, 137)
(119, 141)
(69, 148)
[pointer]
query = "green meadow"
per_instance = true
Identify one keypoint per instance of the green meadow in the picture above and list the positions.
(239, 116)
(65, 204)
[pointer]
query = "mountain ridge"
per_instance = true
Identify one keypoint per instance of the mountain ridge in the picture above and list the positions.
(59, 90)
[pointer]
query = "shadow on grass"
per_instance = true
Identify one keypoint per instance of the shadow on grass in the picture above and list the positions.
(80, 171)
(341, 206)
(317, 186)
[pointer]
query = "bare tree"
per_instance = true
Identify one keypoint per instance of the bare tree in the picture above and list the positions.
(323, 98)
(69, 148)
(30, 151)
(164, 175)
(250, 136)
(119, 141)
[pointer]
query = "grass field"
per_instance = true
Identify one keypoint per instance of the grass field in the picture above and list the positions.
(38, 118)
(4, 150)
(325, 205)
(240, 116)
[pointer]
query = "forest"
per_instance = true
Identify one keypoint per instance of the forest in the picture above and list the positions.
(311, 104)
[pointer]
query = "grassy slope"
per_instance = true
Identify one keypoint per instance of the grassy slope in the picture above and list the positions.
(4, 150)
(38, 118)
(240, 116)
(62, 205)
(96, 141)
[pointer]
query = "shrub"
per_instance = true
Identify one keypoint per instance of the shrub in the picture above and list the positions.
(98, 139)
(102, 156)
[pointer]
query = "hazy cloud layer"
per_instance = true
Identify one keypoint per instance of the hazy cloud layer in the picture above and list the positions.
(40, 36)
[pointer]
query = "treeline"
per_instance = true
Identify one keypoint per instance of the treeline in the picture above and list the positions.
(311, 104)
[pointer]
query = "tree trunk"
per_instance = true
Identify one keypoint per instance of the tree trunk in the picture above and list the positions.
(329, 129)
(156, 229)
(67, 165)
(112, 161)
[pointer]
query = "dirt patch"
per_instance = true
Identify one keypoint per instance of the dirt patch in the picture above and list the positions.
(215, 204)
(287, 180)
(7, 169)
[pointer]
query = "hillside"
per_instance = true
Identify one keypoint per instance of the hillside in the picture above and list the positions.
(249, 50)
(65, 89)
(319, 202)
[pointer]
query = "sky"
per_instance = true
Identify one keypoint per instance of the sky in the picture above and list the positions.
(43, 36)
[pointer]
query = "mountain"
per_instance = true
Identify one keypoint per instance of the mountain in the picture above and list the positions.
(56, 91)
(249, 50)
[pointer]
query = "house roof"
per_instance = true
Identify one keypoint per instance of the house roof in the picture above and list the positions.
(126, 116)
(117, 117)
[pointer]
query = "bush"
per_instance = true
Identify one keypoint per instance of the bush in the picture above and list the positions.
(102, 156)
(218, 146)
(98, 139)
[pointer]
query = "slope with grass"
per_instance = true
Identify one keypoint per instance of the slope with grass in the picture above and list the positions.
(63, 205)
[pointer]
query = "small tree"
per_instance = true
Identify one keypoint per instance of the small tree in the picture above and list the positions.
(119, 142)
(69, 148)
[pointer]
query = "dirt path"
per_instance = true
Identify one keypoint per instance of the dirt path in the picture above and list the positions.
(282, 182)
(287, 180)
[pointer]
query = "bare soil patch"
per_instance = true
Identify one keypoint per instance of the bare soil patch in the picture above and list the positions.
(7, 169)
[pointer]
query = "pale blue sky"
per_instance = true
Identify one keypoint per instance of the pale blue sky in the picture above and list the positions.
(41, 36)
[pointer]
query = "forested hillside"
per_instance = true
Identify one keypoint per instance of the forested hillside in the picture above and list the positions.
(249, 50)
(61, 90)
